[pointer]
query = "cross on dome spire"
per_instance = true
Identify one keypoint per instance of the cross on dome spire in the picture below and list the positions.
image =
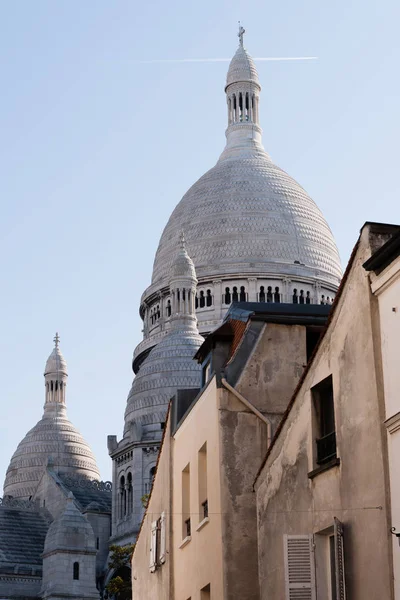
(242, 31)
(56, 340)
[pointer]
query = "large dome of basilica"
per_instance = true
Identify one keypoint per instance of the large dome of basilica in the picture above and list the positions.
(253, 233)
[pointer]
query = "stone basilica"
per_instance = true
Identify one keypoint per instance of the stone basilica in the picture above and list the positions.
(244, 232)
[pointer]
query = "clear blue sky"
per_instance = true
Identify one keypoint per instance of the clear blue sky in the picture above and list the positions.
(97, 149)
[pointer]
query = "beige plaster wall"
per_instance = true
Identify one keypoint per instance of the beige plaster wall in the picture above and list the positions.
(288, 502)
(386, 287)
(273, 369)
(243, 443)
(199, 562)
(157, 585)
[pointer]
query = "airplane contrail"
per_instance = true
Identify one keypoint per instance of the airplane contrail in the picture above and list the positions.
(199, 60)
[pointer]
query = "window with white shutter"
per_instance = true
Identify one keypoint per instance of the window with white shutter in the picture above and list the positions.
(162, 538)
(339, 560)
(299, 567)
(153, 547)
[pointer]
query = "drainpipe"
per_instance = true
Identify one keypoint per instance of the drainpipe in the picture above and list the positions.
(249, 406)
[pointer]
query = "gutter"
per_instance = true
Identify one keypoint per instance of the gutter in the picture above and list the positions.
(251, 407)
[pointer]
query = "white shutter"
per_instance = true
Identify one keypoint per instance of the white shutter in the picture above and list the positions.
(162, 538)
(299, 567)
(339, 560)
(153, 547)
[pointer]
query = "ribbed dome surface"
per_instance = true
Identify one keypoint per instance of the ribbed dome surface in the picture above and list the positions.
(246, 215)
(169, 366)
(242, 68)
(56, 363)
(55, 438)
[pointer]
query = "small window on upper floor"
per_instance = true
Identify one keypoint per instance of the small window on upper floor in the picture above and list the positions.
(324, 421)
(76, 570)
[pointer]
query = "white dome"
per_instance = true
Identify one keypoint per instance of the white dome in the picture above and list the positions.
(242, 68)
(53, 440)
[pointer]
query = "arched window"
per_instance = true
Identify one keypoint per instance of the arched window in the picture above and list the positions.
(158, 311)
(301, 298)
(122, 498)
(235, 295)
(130, 493)
(277, 296)
(152, 475)
(322, 299)
(76, 570)
(295, 297)
(261, 295)
(242, 294)
(209, 298)
(168, 308)
(202, 299)
(196, 302)
(227, 296)
(269, 294)
(308, 299)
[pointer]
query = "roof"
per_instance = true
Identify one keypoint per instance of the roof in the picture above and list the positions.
(385, 255)
(22, 535)
(87, 492)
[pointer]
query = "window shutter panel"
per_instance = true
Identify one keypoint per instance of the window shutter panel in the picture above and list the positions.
(339, 560)
(299, 567)
(153, 547)
(162, 539)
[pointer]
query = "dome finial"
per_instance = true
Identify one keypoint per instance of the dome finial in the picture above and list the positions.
(242, 31)
(56, 340)
(182, 241)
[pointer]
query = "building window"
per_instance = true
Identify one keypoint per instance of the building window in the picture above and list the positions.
(186, 528)
(130, 493)
(325, 438)
(308, 299)
(235, 295)
(76, 570)
(205, 593)
(295, 298)
(277, 296)
(202, 482)
(227, 296)
(242, 294)
(209, 298)
(168, 308)
(269, 294)
(97, 543)
(122, 498)
(202, 299)
(301, 297)
(261, 296)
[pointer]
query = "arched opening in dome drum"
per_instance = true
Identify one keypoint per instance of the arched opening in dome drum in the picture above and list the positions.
(261, 295)
(308, 299)
(202, 300)
(209, 299)
(158, 314)
(243, 295)
(130, 493)
(277, 295)
(269, 294)
(235, 295)
(227, 296)
(168, 310)
(295, 298)
(75, 571)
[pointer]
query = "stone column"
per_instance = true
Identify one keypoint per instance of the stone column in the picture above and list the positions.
(286, 290)
(217, 293)
(252, 289)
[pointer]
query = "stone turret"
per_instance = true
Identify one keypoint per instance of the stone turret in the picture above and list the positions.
(69, 557)
(53, 440)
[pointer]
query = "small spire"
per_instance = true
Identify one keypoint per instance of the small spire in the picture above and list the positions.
(242, 31)
(182, 241)
(56, 340)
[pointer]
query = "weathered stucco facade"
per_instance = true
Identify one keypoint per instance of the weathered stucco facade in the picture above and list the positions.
(212, 449)
(384, 269)
(307, 489)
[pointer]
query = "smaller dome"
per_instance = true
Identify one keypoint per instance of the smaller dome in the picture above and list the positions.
(242, 68)
(70, 531)
(56, 363)
(183, 266)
